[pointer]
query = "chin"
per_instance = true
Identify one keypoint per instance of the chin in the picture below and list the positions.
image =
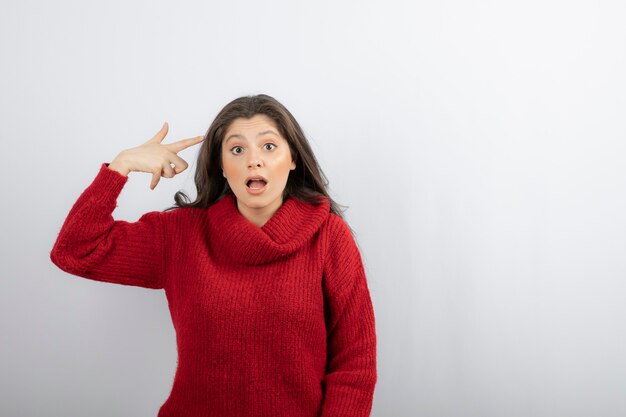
(253, 201)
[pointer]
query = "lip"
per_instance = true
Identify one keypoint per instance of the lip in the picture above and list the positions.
(255, 177)
(256, 191)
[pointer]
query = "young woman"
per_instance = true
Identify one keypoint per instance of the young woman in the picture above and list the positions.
(264, 280)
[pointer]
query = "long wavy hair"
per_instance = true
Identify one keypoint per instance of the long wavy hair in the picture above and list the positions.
(307, 182)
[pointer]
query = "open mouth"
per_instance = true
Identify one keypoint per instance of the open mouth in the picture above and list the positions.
(256, 184)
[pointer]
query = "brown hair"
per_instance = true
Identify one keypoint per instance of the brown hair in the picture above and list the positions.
(307, 182)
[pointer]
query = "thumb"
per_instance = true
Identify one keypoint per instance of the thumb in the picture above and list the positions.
(155, 180)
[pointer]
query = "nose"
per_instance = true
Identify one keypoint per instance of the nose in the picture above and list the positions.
(254, 161)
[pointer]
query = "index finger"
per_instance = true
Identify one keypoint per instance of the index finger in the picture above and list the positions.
(184, 143)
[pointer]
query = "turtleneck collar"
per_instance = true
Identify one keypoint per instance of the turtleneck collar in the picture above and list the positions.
(290, 227)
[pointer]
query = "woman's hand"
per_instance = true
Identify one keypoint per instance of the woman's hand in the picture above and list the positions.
(154, 157)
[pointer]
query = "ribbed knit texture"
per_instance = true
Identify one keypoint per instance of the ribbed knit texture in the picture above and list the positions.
(272, 321)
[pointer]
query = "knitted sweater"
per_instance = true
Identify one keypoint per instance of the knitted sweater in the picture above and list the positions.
(271, 321)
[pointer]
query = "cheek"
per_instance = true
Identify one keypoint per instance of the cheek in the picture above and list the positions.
(228, 164)
(229, 170)
(284, 159)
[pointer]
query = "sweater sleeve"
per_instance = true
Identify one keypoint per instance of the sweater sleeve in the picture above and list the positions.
(91, 244)
(351, 361)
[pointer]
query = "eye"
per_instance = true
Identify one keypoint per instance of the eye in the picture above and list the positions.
(271, 144)
(236, 147)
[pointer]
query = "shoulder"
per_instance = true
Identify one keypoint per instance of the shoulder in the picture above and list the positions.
(341, 244)
(343, 264)
(178, 218)
(338, 232)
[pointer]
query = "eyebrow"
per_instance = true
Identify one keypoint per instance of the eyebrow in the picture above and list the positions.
(236, 135)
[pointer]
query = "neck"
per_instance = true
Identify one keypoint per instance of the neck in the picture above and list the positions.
(259, 216)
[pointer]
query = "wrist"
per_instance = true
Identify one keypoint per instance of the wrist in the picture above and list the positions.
(118, 166)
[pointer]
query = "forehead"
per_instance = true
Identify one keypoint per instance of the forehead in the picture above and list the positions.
(253, 125)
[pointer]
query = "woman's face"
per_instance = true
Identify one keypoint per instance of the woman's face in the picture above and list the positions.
(254, 148)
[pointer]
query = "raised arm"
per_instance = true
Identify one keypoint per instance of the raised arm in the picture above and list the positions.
(351, 373)
(93, 245)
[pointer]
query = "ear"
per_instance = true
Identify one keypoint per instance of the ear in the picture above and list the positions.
(293, 165)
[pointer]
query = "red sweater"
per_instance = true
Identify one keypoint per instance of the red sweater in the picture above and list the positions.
(271, 321)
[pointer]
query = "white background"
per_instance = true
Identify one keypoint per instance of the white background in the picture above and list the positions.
(479, 145)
